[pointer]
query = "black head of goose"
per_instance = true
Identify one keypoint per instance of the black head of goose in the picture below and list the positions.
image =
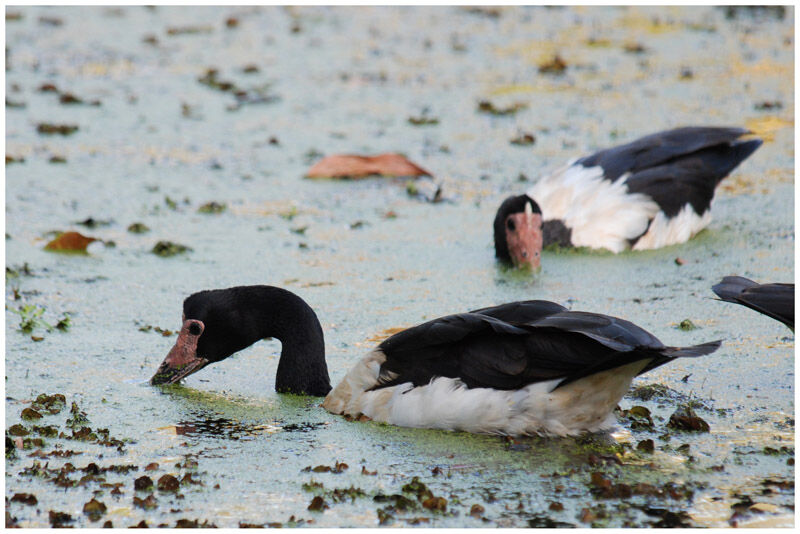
(521, 368)
(650, 193)
(220, 322)
(773, 300)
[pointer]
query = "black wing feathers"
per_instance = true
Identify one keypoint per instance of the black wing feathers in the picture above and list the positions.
(513, 345)
(659, 148)
(690, 179)
(613, 332)
(676, 167)
(523, 311)
(773, 300)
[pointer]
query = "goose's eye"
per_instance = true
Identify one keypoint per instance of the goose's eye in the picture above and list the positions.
(194, 329)
(511, 225)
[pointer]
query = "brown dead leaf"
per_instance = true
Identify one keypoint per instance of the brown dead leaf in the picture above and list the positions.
(354, 167)
(70, 242)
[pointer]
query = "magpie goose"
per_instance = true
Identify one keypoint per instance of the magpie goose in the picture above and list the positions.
(521, 368)
(651, 193)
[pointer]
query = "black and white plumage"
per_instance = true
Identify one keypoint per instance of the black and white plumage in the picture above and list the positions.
(522, 368)
(653, 192)
(773, 300)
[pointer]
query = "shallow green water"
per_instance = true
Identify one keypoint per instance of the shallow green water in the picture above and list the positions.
(347, 81)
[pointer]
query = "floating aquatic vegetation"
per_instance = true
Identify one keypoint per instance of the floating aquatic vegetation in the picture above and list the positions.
(168, 483)
(29, 414)
(685, 419)
(318, 504)
(46, 128)
(338, 467)
(148, 503)
(94, 509)
(524, 139)
(423, 120)
(555, 65)
(138, 228)
(212, 207)
(485, 106)
(167, 249)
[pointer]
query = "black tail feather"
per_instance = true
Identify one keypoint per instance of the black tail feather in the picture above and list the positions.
(773, 300)
(693, 351)
(671, 353)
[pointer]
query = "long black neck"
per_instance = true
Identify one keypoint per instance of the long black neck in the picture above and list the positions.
(302, 368)
(237, 317)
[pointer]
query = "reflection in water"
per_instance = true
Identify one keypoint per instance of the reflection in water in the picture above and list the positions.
(234, 430)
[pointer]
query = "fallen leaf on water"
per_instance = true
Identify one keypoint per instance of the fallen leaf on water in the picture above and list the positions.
(353, 166)
(70, 242)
